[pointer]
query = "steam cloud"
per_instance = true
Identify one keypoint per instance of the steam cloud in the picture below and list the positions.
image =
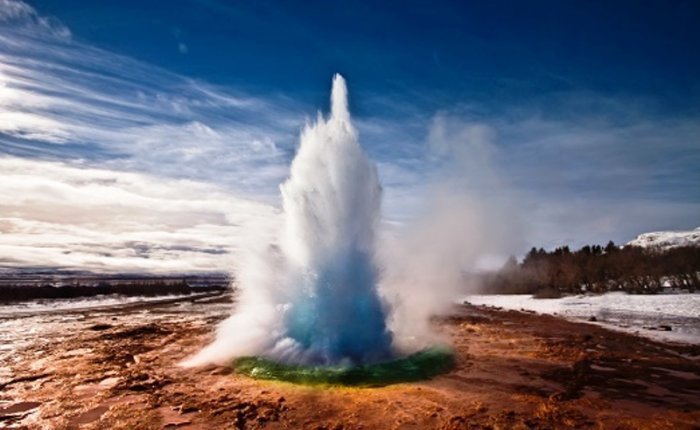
(331, 291)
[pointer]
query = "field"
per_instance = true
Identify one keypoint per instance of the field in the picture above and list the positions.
(117, 367)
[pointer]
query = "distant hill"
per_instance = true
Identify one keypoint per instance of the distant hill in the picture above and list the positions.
(667, 239)
(30, 284)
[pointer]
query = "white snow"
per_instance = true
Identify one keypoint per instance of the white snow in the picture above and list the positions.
(37, 307)
(640, 314)
(667, 239)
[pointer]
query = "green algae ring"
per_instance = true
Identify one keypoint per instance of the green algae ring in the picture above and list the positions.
(421, 365)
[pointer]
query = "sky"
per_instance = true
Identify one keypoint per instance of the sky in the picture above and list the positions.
(142, 137)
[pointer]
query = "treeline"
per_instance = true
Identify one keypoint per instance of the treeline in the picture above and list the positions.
(598, 269)
(15, 293)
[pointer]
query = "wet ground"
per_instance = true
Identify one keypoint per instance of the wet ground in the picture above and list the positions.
(117, 369)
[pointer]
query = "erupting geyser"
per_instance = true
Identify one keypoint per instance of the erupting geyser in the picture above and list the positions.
(313, 298)
(331, 207)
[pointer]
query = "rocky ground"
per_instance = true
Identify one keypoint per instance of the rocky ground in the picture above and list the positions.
(117, 369)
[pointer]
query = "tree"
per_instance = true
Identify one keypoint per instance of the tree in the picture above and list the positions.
(610, 247)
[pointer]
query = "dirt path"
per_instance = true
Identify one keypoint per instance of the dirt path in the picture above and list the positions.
(514, 370)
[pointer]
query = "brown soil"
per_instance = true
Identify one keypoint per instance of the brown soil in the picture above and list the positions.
(514, 371)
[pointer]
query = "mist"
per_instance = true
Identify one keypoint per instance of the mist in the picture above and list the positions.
(468, 222)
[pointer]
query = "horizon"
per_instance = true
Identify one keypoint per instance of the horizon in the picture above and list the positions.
(137, 138)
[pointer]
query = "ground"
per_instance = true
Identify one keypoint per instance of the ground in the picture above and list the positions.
(119, 369)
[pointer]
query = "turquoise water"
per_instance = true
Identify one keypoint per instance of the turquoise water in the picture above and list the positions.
(422, 365)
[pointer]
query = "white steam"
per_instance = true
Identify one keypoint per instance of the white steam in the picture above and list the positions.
(314, 297)
(333, 291)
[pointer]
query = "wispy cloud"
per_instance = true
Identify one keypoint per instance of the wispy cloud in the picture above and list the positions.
(112, 163)
(22, 16)
(104, 107)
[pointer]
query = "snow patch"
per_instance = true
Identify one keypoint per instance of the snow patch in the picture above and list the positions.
(646, 315)
(667, 239)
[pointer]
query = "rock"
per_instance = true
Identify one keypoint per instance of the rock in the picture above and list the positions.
(143, 382)
(172, 419)
(592, 318)
(184, 409)
(457, 421)
(93, 414)
(109, 382)
(175, 424)
(19, 408)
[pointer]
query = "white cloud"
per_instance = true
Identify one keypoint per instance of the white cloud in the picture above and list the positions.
(114, 110)
(30, 126)
(19, 14)
(55, 214)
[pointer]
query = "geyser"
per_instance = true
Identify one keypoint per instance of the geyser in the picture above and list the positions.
(312, 299)
(331, 208)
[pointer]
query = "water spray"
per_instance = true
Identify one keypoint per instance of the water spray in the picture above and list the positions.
(310, 308)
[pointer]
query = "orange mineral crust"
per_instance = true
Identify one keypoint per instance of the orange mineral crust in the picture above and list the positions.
(119, 369)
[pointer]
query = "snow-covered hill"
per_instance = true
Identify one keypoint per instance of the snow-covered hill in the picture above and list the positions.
(667, 239)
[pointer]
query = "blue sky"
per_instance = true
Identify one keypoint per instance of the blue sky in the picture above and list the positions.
(496, 53)
(580, 121)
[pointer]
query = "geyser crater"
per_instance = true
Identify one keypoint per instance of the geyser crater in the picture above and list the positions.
(309, 308)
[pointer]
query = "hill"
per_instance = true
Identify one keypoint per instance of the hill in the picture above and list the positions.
(667, 239)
